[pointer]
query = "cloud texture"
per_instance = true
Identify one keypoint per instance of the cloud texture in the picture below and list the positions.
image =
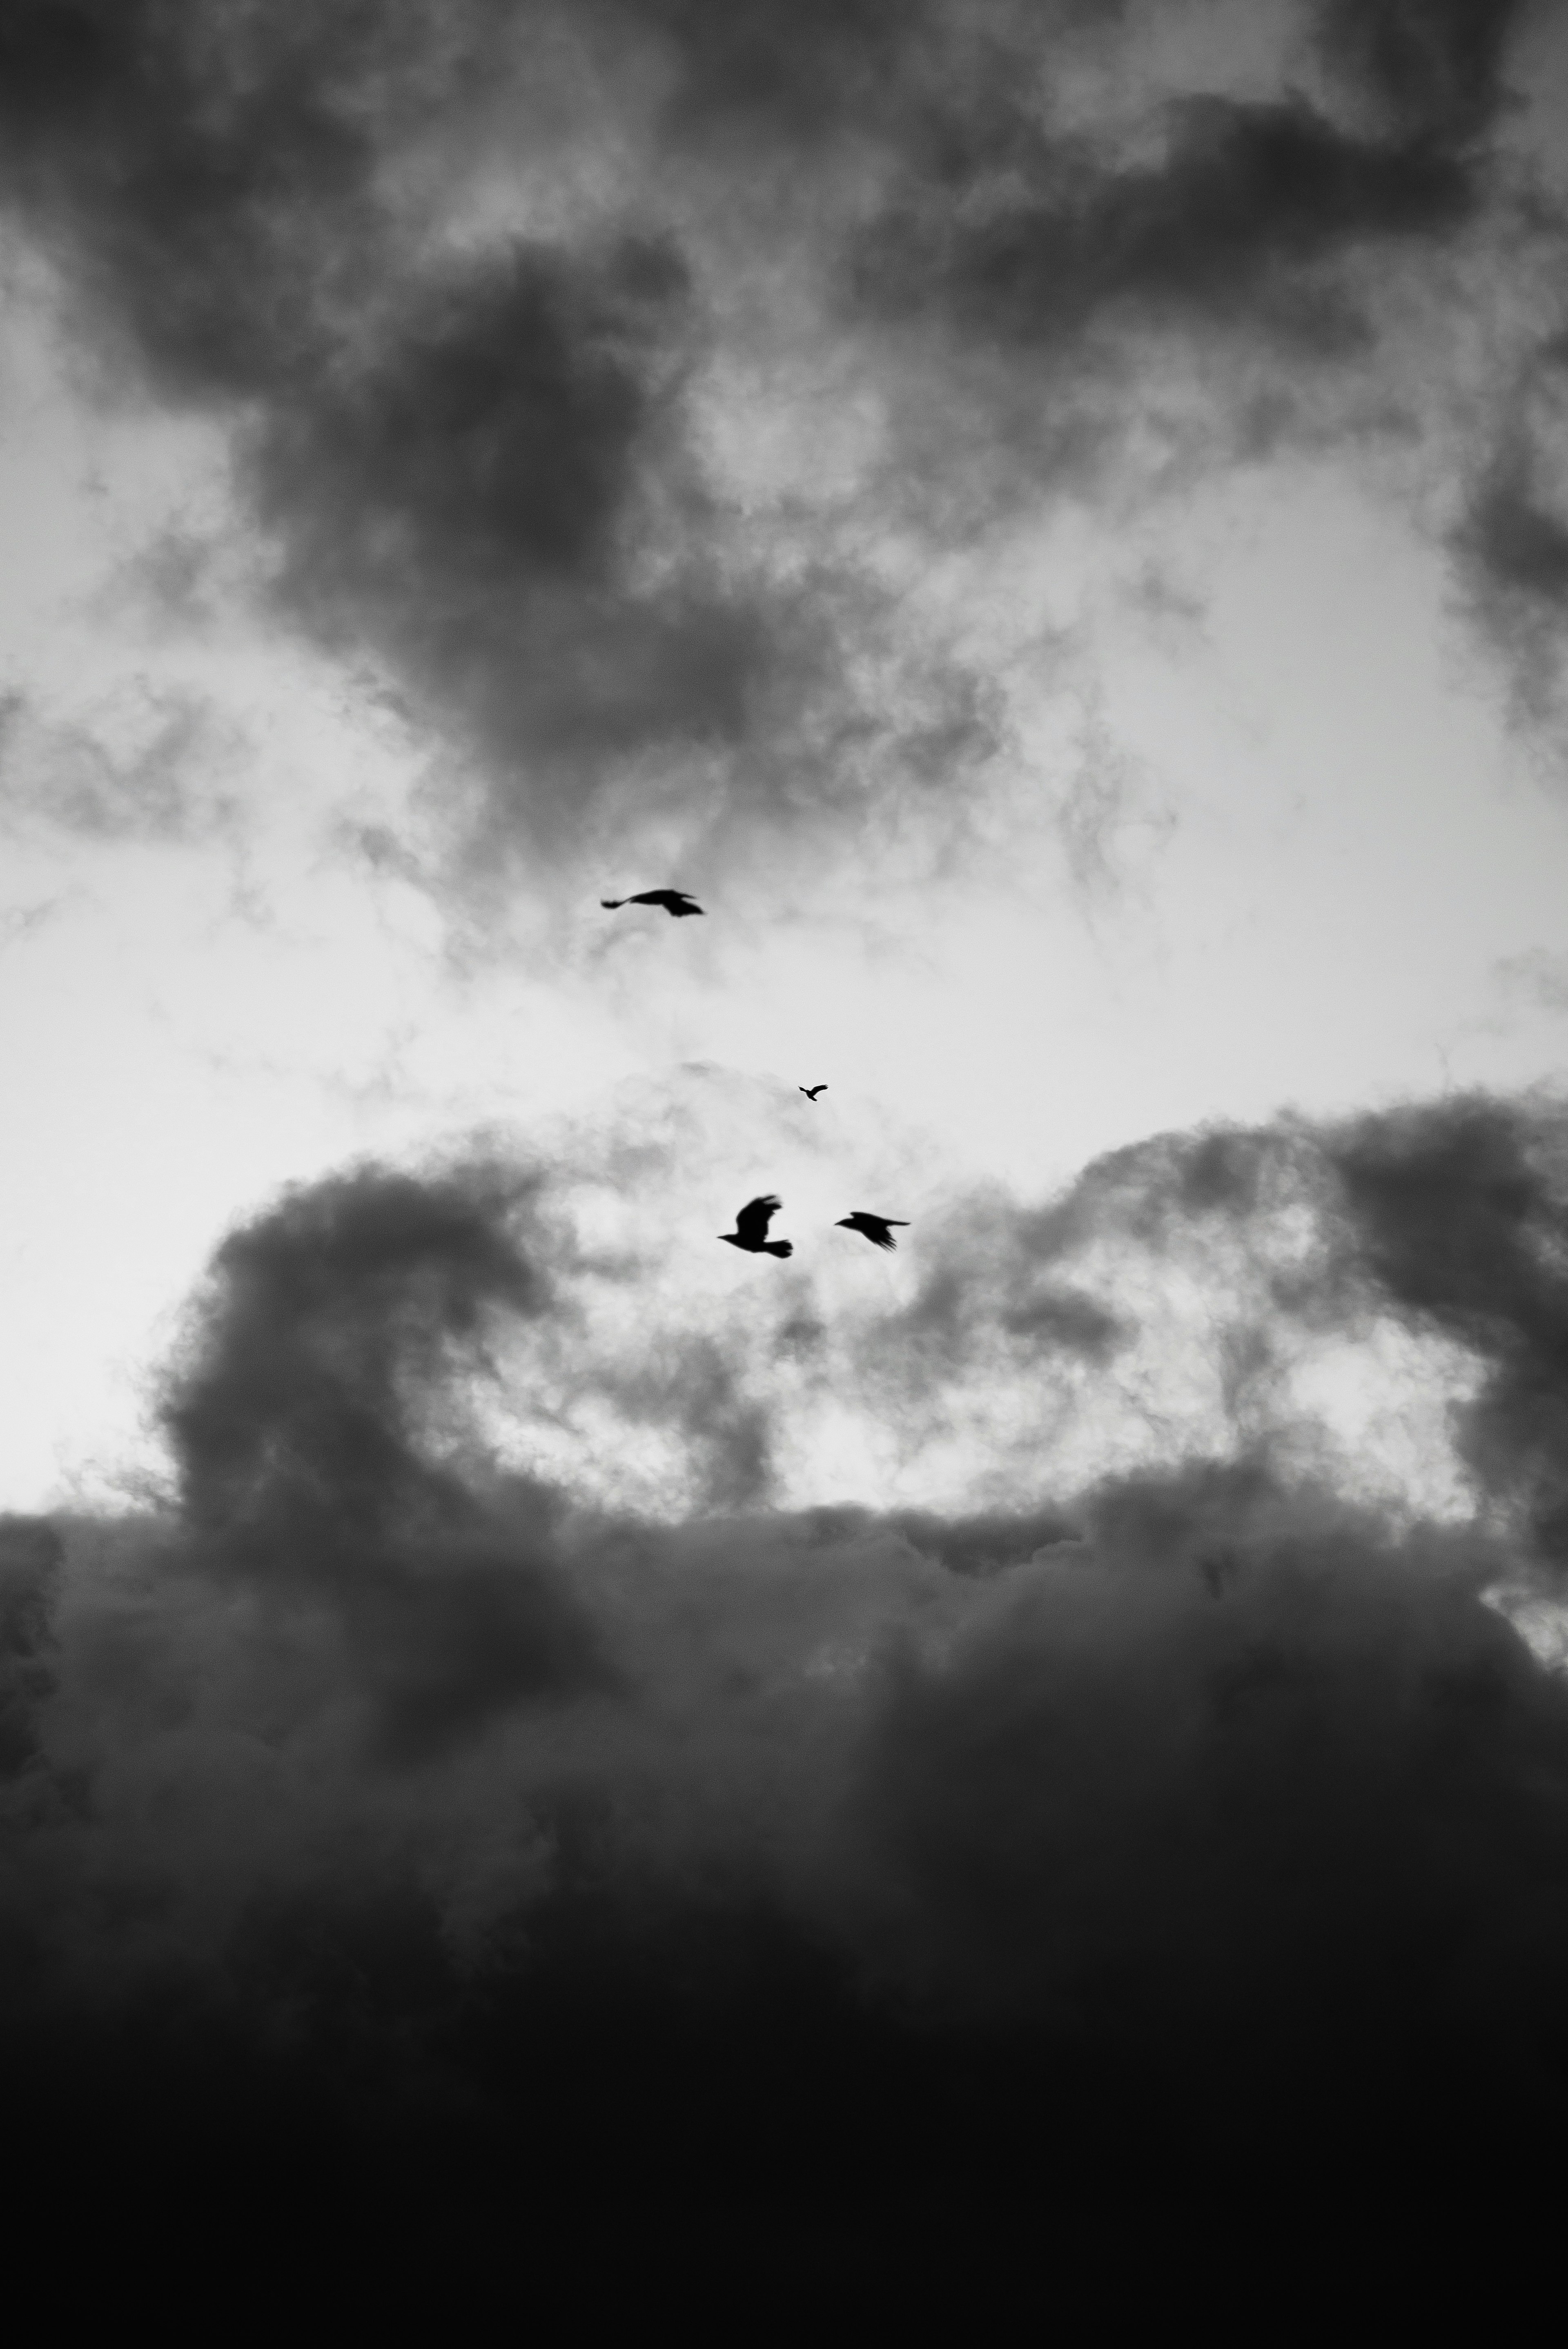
(609, 384)
(489, 1774)
(376, 1804)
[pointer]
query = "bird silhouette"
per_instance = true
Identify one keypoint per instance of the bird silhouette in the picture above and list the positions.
(751, 1228)
(875, 1228)
(674, 901)
(810, 1091)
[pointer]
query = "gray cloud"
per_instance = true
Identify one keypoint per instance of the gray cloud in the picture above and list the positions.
(1437, 71)
(1511, 547)
(1229, 227)
(1520, 544)
(1539, 977)
(1460, 1218)
(143, 764)
(295, 1424)
(480, 467)
(30, 1554)
(1206, 1804)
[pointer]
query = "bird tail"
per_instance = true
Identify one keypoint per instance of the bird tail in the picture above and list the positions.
(779, 1248)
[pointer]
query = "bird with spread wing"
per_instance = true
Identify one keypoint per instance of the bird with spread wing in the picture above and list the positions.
(674, 901)
(810, 1091)
(751, 1228)
(878, 1229)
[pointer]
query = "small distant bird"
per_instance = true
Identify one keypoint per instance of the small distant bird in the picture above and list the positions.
(674, 901)
(878, 1229)
(751, 1228)
(810, 1091)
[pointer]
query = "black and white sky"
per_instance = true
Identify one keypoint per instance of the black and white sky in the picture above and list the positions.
(1050, 517)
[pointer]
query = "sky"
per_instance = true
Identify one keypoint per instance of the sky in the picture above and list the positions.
(1050, 519)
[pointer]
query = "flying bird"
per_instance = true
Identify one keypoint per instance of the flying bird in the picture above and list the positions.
(674, 901)
(751, 1228)
(810, 1091)
(877, 1228)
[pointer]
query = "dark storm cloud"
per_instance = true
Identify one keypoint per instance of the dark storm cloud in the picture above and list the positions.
(1437, 67)
(1517, 543)
(466, 503)
(475, 471)
(800, 75)
(30, 1554)
(1512, 549)
(1240, 1717)
(479, 467)
(1227, 228)
(1459, 1217)
(983, 1544)
(295, 1422)
(1256, 221)
(1201, 1816)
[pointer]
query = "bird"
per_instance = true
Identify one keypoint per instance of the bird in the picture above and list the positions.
(875, 1228)
(810, 1091)
(751, 1228)
(674, 901)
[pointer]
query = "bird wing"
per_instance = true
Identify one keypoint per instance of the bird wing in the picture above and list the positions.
(674, 901)
(751, 1223)
(878, 1228)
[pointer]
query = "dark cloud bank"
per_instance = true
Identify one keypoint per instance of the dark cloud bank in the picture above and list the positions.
(477, 460)
(385, 1839)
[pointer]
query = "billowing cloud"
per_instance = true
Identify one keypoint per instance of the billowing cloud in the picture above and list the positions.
(1436, 73)
(1460, 1219)
(517, 433)
(1228, 226)
(382, 1802)
(293, 1427)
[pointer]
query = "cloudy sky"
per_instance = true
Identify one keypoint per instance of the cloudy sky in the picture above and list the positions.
(1050, 517)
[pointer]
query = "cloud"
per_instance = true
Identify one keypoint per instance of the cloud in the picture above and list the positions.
(1460, 1218)
(1087, 1814)
(295, 1422)
(1227, 228)
(30, 1554)
(137, 763)
(384, 1804)
(1511, 547)
(1438, 72)
(1540, 977)
(473, 470)
(477, 295)
(462, 503)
